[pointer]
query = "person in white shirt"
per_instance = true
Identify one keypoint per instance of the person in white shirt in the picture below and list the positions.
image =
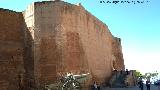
(95, 86)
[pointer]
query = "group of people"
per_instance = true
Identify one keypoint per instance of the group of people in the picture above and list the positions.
(141, 83)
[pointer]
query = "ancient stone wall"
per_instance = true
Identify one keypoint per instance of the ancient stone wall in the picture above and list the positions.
(11, 49)
(118, 61)
(29, 63)
(70, 39)
(52, 38)
(48, 54)
(95, 40)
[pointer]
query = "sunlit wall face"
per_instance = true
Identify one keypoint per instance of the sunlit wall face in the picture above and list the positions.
(138, 27)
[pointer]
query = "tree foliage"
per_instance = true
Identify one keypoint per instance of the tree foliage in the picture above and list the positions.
(150, 75)
(138, 74)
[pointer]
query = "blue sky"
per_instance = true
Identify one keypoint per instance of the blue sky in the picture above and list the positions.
(138, 25)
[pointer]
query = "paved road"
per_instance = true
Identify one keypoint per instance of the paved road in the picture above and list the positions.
(133, 88)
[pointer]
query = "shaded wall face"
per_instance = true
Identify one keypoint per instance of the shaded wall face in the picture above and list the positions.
(29, 63)
(11, 49)
(28, 59)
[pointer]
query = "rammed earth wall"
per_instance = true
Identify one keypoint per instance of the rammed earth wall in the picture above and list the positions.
(50, 39)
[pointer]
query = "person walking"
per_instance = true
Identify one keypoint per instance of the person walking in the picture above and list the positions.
(140, 83)
(148, 84)
(127, 72)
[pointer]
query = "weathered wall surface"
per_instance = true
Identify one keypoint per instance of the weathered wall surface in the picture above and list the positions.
(48, 54)
(118, 61)
(11, 49)
(29, 63)
(55, 37)
(94, 39)
(70, 39)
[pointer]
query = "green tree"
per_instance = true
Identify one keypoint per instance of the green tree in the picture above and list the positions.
(138, 74)
(150, 75)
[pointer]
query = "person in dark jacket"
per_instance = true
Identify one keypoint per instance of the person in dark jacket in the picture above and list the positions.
(148, 84)
(140, 83)
(127, 72)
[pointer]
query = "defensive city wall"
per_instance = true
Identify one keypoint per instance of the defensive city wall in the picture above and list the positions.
(51, 38)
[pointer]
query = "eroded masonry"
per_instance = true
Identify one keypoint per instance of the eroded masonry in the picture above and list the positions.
(51, 38)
